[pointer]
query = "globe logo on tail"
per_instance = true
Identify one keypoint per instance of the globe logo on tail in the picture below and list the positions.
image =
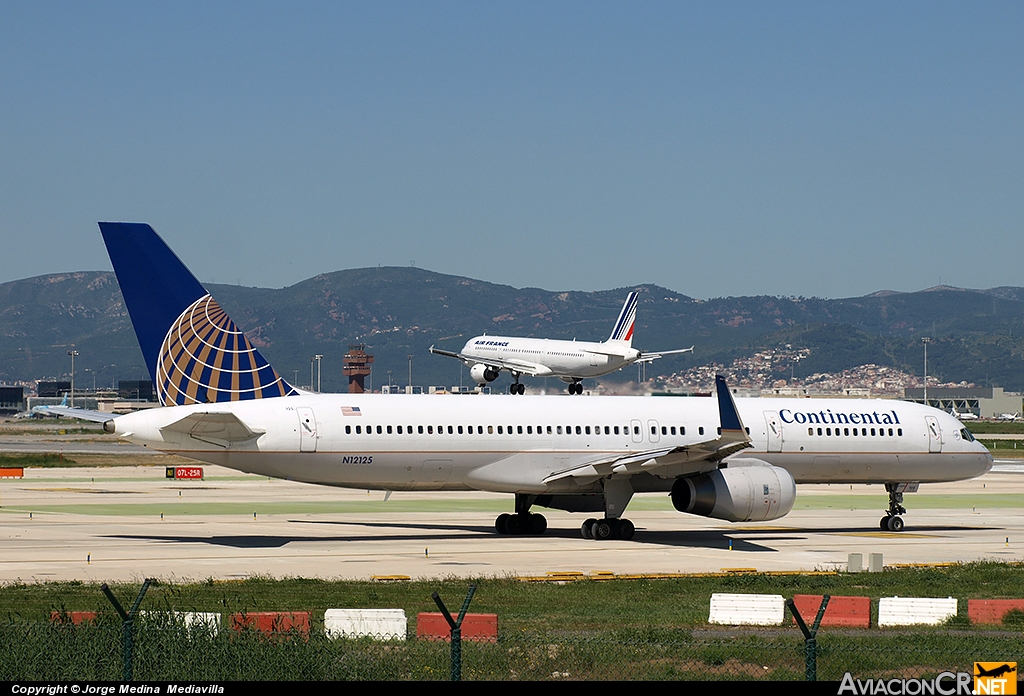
(204, 358)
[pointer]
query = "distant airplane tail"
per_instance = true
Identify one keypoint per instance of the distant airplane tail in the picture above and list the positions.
(194, 352)
(623, 330)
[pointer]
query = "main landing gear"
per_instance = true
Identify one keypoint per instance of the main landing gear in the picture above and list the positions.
(576, 388)
(892, 521)
(516, 388)
(608, 529)
(523, 522)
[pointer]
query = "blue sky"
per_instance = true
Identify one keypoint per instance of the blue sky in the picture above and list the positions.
(827, 149)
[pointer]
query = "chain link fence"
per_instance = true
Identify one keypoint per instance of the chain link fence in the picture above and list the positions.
(167, 652)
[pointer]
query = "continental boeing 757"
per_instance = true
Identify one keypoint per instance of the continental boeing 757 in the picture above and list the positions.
(719, 457)
(569, 361)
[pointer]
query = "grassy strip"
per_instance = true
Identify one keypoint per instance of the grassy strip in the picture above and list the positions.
(996, 427)
(36, 460)
(976, 499)
(602, 607)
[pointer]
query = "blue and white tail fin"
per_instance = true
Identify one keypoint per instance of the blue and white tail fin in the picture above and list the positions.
(194, 352)
(623, 330)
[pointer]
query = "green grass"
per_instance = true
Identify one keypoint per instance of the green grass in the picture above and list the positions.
(375, 505)
(996, 427)
(589, 605)
(35, 460)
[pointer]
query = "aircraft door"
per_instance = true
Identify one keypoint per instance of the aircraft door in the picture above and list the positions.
(636, 430)
(934, 434)
(652, 425)
(307, 429)
(774, 430)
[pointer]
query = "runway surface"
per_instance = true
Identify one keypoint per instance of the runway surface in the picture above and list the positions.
(104, 524)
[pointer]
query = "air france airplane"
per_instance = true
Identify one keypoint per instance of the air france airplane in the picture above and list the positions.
(719, 457)
(570, 361)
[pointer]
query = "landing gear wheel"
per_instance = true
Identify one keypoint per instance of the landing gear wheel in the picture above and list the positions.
(575, 388)
(883, 523)
(501, 522)
(537, 524)
(605, 529)
(625, 530)
(514, 525)
(520, 389)
(896, 524)
(512, 389)
(587, 528)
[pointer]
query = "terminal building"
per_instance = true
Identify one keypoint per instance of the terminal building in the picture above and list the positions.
(984, 402)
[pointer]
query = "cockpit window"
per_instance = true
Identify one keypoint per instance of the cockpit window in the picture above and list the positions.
(966, 434)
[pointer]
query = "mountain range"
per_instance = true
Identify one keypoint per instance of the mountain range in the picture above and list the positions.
(976, 335)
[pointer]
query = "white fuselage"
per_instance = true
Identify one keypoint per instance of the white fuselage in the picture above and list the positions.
(512, 444)
(545, 357)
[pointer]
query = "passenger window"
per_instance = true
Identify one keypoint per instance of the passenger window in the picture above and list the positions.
(673, 429)
(529, 430)
(519, 429)
(899, 432)
(389, 430)
(359, 430)
(348, 429)
(419, 429)
(451, 430)
(500, 431)
(636, 429)
(559, 430)
(846, 432)
(430, 430)
(700, 430)
(399, 430)
(810, 431)
(549, 430)
(579, 431)
(490, 429)
(460, 430)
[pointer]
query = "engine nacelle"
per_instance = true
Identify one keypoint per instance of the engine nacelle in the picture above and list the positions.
(481, 373)
(753, 490)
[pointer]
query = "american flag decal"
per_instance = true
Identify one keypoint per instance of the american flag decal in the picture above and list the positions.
(350, 411)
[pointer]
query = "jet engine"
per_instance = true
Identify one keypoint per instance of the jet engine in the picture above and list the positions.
(481, 373)
(745, 491)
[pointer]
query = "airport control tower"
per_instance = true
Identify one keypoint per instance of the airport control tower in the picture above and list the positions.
(356, 367)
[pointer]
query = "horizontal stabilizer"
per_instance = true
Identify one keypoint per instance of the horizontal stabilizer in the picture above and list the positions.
(79, 413)
(219, 429)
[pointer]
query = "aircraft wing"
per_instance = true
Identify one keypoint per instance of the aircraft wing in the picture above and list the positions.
(523, 367)
(69, 412)
(654, 355)
(221, 429)
(447, 353)
(732, 438)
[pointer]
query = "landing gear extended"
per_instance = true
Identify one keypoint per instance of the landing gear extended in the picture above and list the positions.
(576, 388)
(523, 522)
(516, 387)
(892, 521)
(608, 529)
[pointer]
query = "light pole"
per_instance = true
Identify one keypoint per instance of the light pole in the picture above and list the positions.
(926, 341)
(318, 358)
(72, 353)
(410, 372)
(389, 381)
